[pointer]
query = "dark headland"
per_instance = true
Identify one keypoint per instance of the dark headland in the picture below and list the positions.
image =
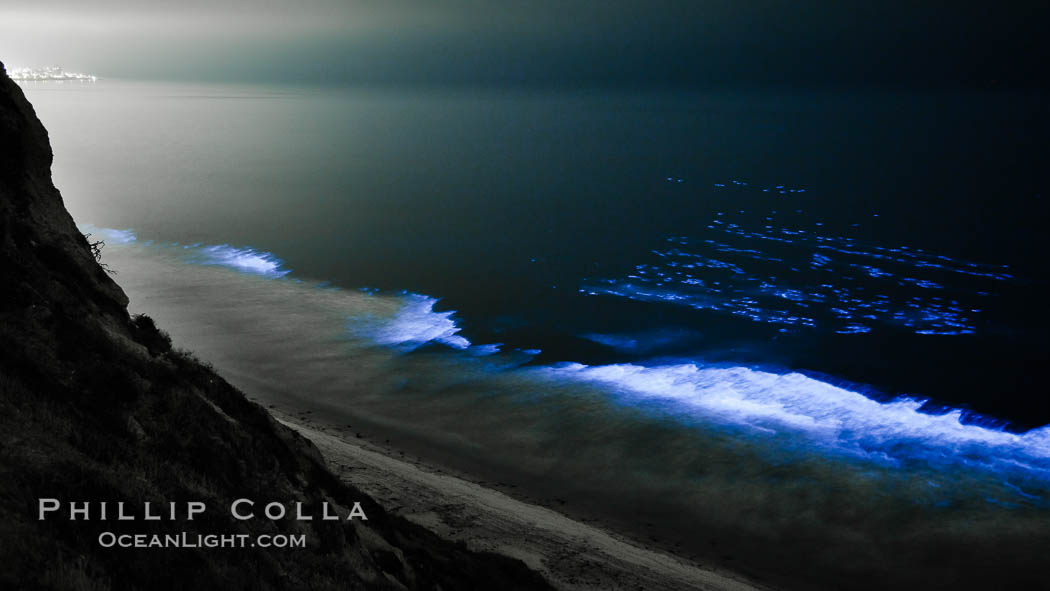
(96, 405)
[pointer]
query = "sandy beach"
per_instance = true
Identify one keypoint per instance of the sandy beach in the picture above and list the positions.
(570, 554)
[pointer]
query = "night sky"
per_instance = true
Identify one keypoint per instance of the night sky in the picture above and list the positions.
(623, 43)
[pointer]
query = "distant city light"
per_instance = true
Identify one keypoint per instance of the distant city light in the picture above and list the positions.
(48, 73)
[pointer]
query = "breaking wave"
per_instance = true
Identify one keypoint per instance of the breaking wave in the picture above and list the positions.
(823, 415)
(797, 410)
(412, 326)
(417, 324)
(244, 259)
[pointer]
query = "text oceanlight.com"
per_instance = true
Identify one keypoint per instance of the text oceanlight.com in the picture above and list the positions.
(186, 540)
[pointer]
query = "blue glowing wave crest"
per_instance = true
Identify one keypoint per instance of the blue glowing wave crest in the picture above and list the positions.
(243, 259)
(805, 411)
(246, 260)
(417, 324)
(824, 415)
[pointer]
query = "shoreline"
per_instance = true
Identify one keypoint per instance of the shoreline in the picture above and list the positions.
(570, 553)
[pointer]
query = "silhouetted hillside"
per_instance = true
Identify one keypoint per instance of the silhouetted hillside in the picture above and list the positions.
(97, 406)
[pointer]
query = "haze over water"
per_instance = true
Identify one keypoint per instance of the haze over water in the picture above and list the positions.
(513, 206)
(709, 298)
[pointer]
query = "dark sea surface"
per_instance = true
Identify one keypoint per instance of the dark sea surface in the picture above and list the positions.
(763, 309)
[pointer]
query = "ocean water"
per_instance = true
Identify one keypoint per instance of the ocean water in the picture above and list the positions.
(814, 318)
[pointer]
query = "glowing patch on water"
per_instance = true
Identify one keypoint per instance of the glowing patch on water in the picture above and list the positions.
(120, 236)
(417, 324)
(412, 326)
(614, 341)
(792, 410)
(245, 260)
(783, 275)
(483, 350)
(110, 235)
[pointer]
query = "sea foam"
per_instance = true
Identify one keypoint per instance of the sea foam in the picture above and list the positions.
(244, 259)
(808, 412)
(824, 415)
(417, 324)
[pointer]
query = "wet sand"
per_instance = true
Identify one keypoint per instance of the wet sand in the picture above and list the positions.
(572, 555)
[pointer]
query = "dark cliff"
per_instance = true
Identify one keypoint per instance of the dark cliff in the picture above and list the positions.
(96, 405)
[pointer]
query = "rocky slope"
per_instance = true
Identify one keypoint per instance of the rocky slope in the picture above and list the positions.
(96, 405)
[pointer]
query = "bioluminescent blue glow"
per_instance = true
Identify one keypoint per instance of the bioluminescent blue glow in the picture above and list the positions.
(489, 349)
(417, 324)
(791, 410)
(797, 276)
(246, 260)
(243, 259)
(815, 413)
(110, 235)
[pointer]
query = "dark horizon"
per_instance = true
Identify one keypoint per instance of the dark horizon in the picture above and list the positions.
(625, 43)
